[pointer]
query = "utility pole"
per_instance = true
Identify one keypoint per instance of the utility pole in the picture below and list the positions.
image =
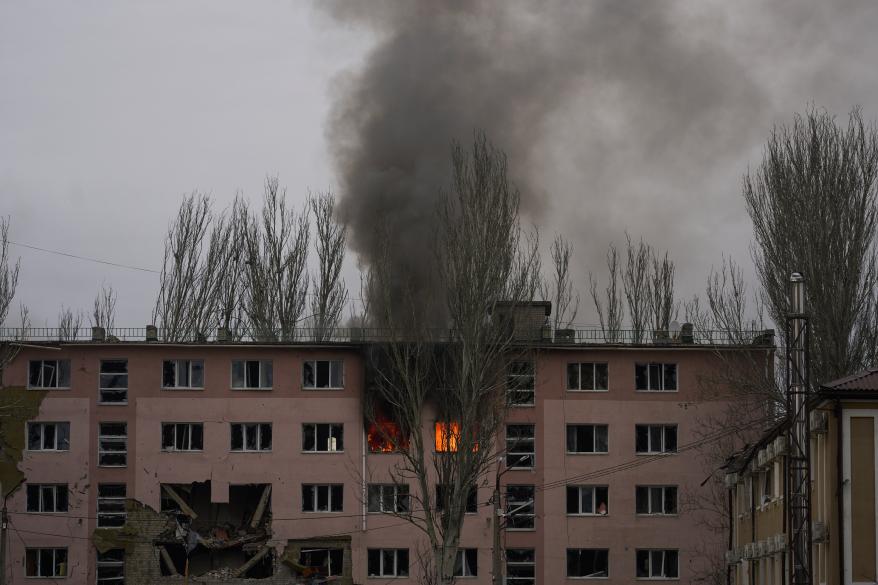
(4, 522)
(496, 575)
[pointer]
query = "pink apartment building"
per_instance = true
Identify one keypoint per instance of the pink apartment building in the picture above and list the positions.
(253, 460)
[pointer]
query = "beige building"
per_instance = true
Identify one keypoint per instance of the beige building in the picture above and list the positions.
(844, 530)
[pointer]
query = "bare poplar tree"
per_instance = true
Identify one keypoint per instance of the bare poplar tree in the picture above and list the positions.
(69, 324)
(276, 281)
(663, 305)
(609, 306)
(8, 271)
(559, 287)
(330, 293)
(637, 287)
(486, 268)
(104, 309)
(230, 275)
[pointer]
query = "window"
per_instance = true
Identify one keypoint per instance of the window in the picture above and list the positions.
(766, 478)
(520, 507)
(655, 377)
(657, 564)
(323, 374)
(588, 376)
(329, 562)
(655, 438)
(251, 436)
(322, 498)
(113, 444)
(44, 436)
(322, 437)
(587, 439)
(111, 567)
(388, 562)
(111, 505)
(45, 562)
(169, 504)
(588, 562)
(520, 384)
(656, 499)
(587, 500)
(466, 563)
(252, 374)
(520, 566)
(47, 498)
(520, 446)
(385, 436)
(49, 374)
(443, 495)
(392, 498)
(183, 374)
(114, 382)
(182, 436)
(448, 435)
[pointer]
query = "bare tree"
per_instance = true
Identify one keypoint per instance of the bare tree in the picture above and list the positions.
(330, 293)
(486, 269)
(276, 282)
(610, 310)
(637, 286)
(8, 271)
(663, 305)
(230, 289)
(104, 309)
(69, 324)
(559, 287)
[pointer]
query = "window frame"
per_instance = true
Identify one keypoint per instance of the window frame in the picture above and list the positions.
(594, 499)
(42, 439)
(315, 371)
(513, 389)
(244, 435)
(382, 573)
(114, 500)
(649, 500)
(264, 376)
(41, 488)
(594, 376)
(55, 562)
(662, 376)
(606, 572)
(59, 371)
(189, 426)
(521, 455)
(663, 450)
(104, 391)
(190, 364)
(525, 564)
(331, 426)
(515, 508)
(109, 564)
(595, 427)
(460, 558)
(337, 488)
(400, 496)
(650, 576)
(112, 439)
(333, 571)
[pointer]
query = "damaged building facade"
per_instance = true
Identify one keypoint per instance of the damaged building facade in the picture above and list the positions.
(217, 462)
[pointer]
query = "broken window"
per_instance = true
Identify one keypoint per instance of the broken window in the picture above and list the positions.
(172, 495)
(384, 436)
(48, 436)
(252, 374)
(448, 435)
(111, 505)
(588, 376)
(388, 562)
(443, 495)
(112, 444)
(520, 446)
(388, 498)
(655, 438)
(657, 564)
(466, 562)
(654, 377)
(322, 437)
(45, 562)
(520, 507)
(114, 381)
(49, 374)
(588, 562)
(656, 499)
(182, 436)
(520, 382)
(183, 374)
(111, 567)
(48, 498)
(587, 500)
(329, 562)
(251, 436)
(520, 566)
(323, 374)
(587, 439)
(322, 498)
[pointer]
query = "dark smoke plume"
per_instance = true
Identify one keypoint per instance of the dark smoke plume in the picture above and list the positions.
(442, 70)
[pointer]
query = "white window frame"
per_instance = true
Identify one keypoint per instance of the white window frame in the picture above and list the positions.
(521, 508)
(594, 427)
(513, 389)
(383, 571)
(187, 365)
(113, 502)
(338, 385)
(61, 366)
(594, 499)
(42, 426)
(651, 450)
(606, 574)
(315, 498)
(245, 433)
(381, 493)
(333, 571)
(332, 441)
(103, 563)
(112, 439)
(661, 382)
(40, 551)
(594, 376)
(104, 391)
(521, 455)
(41, 490)
(649, 500)
(663, 552)
(266, 380)
(532, 564)
(186, 429)
(466, 571)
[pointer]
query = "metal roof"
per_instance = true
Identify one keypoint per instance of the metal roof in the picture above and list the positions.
(866, 381)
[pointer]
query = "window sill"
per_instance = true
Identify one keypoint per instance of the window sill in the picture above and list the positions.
(112, 466)
(315, 389)
(588, 515)
(182, 450)
(112, 404)
(581, 391)
(589, 578)
(657, 515)
(182, 388)
(36, 513)
(656, 392)
(250, 451)
(522, 406)
(339, 452)
(654, 453)
(48, 388)
(657, 578)
(322, 512)
(521, 529)
(587, 453)
(254, 389)
(47, 450)
(521, 468)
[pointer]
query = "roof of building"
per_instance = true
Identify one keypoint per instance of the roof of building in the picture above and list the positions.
(866, 381)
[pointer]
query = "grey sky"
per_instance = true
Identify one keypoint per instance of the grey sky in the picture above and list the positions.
(111, 111)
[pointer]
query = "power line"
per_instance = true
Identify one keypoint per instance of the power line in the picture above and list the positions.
(85, 258)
